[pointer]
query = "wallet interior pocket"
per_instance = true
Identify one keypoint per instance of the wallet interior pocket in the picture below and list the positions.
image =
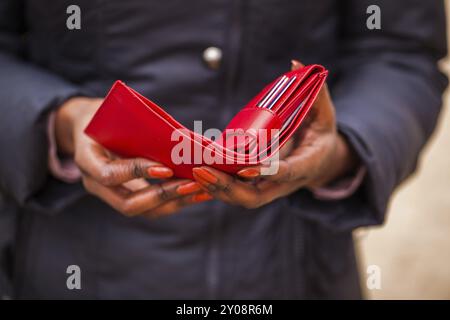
(271, 117)
(250, 128)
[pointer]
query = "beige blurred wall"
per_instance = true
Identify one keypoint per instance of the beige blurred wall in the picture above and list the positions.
(412, 249)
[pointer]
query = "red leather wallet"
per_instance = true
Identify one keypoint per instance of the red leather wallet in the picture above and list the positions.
(131, 125)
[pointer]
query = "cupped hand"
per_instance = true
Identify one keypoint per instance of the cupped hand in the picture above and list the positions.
(317, 155)
(120, 182)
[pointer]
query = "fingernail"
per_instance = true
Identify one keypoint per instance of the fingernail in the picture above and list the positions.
(159, 172)
(295, 64)
(188, 188)
(249, 173)
(205, 175)
(201, 197)
(204, 185)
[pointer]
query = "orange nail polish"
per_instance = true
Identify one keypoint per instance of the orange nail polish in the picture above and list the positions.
(188, 188)
(201, 197)
(204, 185)
(205, 175)
(159, 172)
(249, 173)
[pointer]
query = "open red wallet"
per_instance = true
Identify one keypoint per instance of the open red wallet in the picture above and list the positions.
(130, 125)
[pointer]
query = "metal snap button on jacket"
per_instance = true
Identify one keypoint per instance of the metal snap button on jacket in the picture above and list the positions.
(212, 57)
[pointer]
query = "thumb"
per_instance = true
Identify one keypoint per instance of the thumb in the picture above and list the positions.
(295, 65)
(323, 109)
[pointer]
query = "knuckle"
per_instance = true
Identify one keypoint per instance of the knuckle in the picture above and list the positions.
(162, 193)
(212, 188)
(107, 176)
(227, 187)
(136, 168)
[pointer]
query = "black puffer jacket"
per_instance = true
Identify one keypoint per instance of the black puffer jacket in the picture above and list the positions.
(385, 85)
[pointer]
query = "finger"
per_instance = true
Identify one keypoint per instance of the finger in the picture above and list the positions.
(201, 197)
(136, 184)
(221, 185)
(189, 188)
(229, 189)
(286, 171)
(113, 196)
(295, 65)
(323, 111)
(305, 164)
(133, 203)
(255, 171)
(250, 172)
(282, 168)
(95, 162)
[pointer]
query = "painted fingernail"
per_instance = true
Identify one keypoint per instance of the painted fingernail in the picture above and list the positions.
(205, 185)
(201, 197)
(188, 188)
(159, 172)
(295, 64)
(249, 173)
(205, 175)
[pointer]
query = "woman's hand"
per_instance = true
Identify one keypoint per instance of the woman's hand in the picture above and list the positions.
(317, 155)
(119, 182)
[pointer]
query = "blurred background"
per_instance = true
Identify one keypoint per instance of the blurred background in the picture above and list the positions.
(412, 249)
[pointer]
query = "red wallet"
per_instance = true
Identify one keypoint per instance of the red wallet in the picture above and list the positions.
(130, 125)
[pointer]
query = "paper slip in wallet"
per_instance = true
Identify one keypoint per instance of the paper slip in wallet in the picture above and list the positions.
(130, 125)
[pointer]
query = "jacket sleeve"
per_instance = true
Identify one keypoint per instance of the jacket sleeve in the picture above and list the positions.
(387, 94)
(27, 93)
